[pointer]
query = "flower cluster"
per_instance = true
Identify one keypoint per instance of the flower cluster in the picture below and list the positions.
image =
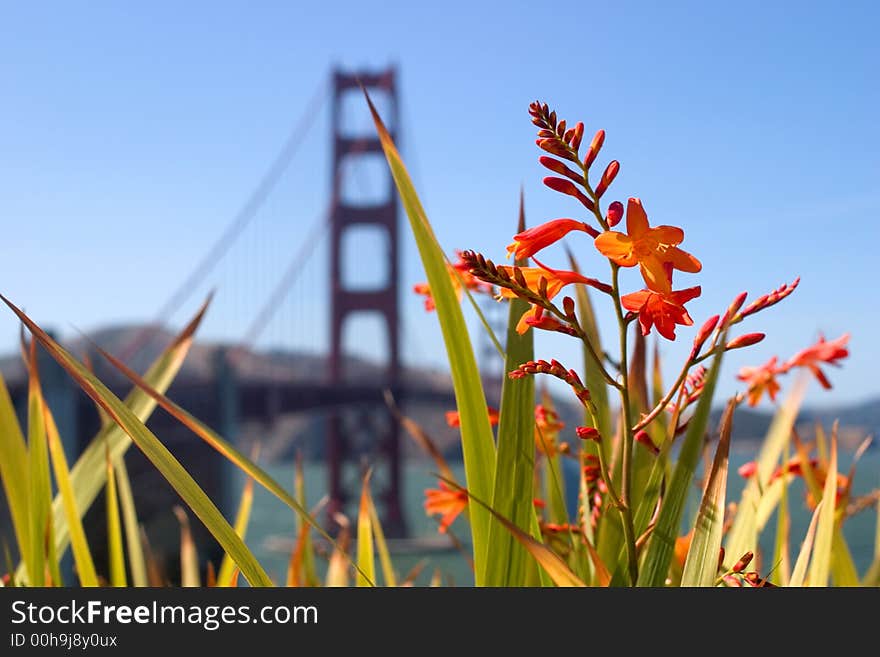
(622, 236)
(762, 379)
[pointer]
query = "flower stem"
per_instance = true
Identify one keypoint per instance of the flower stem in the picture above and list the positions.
(627, 438)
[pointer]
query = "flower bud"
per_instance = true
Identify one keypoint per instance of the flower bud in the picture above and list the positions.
(746, 340)
(568, 306)
(558, 167)
(594, 149)
(553, 147)
(567, 187)
(703, 334)
(744, 561)
(614, 214)
(643, 438)
(733, 309)
(608, 177)
(588, 433)
(577, 136)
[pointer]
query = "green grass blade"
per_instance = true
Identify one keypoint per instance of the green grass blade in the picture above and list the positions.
(222, 446)
(13, 471)
(242, 518)
(547, 559)
(799, 574)
(476, 433)
(593, 378)
(382, 547)
(115, 551)
(820, 564)
(515, 457)
(365, 554)
(88, 474)
(82, 555)
(40, 489)
(310, 573)
(156, 452)
(872, 577)
(701, 565)
(137, 563)
(189, 559)
(843, 568)
(743, 534)
(53, 563)
(661, 545)
(781, 551)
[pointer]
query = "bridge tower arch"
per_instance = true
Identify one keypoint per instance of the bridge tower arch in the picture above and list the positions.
(347, 299)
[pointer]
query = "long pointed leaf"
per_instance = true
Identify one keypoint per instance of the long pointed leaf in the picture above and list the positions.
(701, 565)
(156, 452)
(137, 563)
(40, 490)
(82, 555)
(381, 545)
(242, 517)
(366, 554)
(799, 574)
(189, 560)
(551, 562)
(13, 471)
(476, 433)
(820, 564)
(662, 543)
(88, 475)
(222, 446)
(114, 531)
(743, 534)
(515, 458)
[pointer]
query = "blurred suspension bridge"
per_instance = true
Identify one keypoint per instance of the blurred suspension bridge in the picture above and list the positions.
(305, 309)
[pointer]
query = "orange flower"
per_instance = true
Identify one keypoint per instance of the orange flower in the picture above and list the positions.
(458, 273)
(821, 352)
(529, 242)
(446, 502)
(760, 379)
(661, 309)
(454, 420)
(547, 428)
(653, 249)
(682, 547)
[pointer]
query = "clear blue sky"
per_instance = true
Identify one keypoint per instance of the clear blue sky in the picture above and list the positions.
(130, 133)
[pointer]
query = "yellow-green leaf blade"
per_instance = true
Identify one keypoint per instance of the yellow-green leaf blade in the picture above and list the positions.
(513, 493)
(88, 474)
(223, 447)
(820, 564)
(40, 489)
(156, 452)
(799, 574)
(366, 556)
(82, 555)
(382, 547)
(476, 433)
(242, 518)
(13, 471)
(114, 531)
(743, 534)
(137, 562)
(662, 542)
(189, 560)
(701, 565)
